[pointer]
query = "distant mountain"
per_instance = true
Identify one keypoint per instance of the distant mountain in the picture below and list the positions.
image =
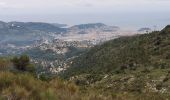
(39, 27)
(29, 27)
(28, 32)
(145, 30)
(12, 28)
(59, 25)
(92, 27)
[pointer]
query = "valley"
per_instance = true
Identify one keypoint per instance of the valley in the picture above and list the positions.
(84, 50)
(91, 60)
(51, 46)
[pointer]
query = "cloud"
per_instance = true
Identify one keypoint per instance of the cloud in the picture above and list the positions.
(7, 5)
(2, 4)
(66, 6)
(82, 3)
(68, 3)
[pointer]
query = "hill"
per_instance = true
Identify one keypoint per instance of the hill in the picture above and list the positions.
(126, 68)
(92, 28)
(136, 65)
(11, 27)
(127, 53)
(90, 25)
(27, 32)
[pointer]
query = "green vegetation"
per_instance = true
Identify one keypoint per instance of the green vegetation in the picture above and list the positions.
(48, 55)
(18, 83)
(5, 64)
(137, 66)
(26, 87)
(127, 68)
(22, 63)
(146, 51)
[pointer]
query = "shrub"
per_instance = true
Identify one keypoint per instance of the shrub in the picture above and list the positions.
(4, 64)
(23, 63)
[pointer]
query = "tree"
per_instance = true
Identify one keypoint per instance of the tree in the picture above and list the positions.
(16, 62)
(23, 63)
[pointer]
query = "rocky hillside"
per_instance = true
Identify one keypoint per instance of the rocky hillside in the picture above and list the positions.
(55, 56)
(127, 53)
(126, 68)
(138, 65)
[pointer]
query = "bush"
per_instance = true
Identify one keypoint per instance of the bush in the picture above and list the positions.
(4, 64)
(23, 63)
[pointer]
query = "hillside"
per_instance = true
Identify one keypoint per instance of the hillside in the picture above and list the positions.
(126, 68)
(136, 65)
(127, 53)
(19, 83)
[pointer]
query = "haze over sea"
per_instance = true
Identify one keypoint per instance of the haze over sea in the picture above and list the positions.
(122, 13)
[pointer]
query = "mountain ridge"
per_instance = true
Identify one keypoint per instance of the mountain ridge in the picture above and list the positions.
(136, 66)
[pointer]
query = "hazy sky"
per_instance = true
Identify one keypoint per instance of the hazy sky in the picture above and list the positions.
(114, 12)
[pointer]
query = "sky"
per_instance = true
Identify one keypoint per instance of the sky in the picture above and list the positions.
(125, 13)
